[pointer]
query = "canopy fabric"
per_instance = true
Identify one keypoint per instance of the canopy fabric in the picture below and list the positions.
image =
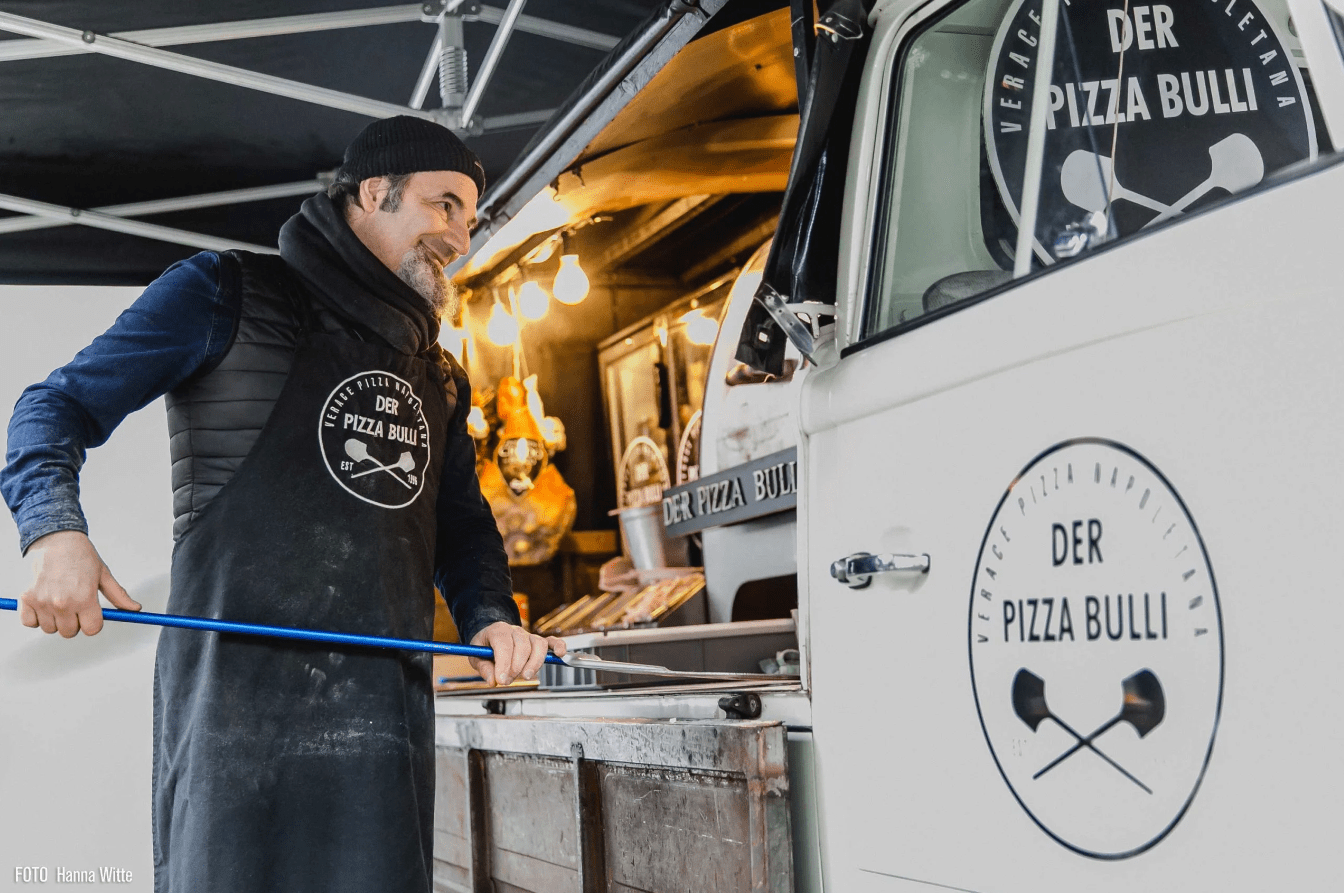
(89, 131)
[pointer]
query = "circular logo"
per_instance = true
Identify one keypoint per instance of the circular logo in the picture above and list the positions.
(643, 474)
(1153, 111)
(1096, 648)
(375, 440)
(688, 451)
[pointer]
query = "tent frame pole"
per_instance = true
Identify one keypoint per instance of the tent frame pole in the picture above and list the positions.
(213, 71)
(277, 26)
(168, 205)
(491, 61)
(129, 227)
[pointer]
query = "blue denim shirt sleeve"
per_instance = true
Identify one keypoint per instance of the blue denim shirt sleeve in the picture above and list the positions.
(182, 323)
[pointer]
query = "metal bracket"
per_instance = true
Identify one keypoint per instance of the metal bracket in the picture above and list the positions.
(808, 336)
(432, 10)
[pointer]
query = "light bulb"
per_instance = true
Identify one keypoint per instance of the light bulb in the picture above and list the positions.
(502, 327)
(453, 340)
(571, 283)
(476, 425)
(534, 399)
(700, 328)
(532, 301)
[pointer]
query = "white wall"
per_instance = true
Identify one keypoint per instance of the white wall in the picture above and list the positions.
(76, 715)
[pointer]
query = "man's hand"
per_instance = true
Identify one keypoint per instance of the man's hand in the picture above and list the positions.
(67, 576)
(518, 653)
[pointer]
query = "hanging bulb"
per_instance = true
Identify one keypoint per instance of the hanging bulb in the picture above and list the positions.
(534, 399)
(502, 327)
(571, 283)
(454, 340)
(476, 424)
(700, 328)
(468, 340)
(532, 301)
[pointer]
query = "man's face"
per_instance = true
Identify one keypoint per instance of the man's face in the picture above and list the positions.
(423, 232)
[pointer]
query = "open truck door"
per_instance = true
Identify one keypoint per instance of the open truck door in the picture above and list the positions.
(1068, 484)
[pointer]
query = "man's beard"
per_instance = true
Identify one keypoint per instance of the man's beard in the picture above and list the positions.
(419, 271)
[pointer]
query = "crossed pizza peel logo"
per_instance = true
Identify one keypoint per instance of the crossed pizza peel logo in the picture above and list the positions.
(358, 450)
(1143, 706)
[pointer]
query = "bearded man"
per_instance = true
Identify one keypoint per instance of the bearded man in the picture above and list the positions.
(322, 477)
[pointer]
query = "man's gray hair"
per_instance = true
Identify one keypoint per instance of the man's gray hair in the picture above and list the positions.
(344, 191)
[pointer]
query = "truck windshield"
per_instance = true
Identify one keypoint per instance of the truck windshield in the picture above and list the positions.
(1151, 112)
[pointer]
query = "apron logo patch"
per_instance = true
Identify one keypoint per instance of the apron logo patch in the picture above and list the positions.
(375, 440)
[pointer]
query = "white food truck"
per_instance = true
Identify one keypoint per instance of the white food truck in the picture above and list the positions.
(1067, 433)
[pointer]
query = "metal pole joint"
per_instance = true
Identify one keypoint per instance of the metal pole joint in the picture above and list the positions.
(450, 118)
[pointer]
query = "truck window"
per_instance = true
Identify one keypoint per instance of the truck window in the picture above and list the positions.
(1153, 111)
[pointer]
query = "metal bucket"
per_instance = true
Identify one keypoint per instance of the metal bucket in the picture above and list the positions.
(646, 540)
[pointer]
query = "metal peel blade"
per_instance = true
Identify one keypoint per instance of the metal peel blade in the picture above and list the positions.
(592, 662)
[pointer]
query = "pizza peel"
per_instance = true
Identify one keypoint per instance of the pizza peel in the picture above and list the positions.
(577, 661)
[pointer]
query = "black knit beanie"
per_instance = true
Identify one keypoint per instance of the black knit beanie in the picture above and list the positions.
(407, 145)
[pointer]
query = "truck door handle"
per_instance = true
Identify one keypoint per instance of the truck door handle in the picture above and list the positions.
(856, 571)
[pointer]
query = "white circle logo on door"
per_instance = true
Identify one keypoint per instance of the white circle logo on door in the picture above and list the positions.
(375, 439)
(1096, 648)
(1154, 110)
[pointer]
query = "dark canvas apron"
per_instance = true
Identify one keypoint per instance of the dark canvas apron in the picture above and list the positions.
(282, 766)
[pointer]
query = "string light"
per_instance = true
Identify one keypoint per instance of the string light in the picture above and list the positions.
(532, 301)
(454, 340)
(476, 424)
(571, 283)
(700, 328)
(534, 399)
(502, 328)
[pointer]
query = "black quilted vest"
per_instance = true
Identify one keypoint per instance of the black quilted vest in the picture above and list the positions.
(215, 416)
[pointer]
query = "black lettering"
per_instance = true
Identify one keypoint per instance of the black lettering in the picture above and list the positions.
(1119, 618)
(1164, 615)
(1031, 634)
(1049, 612)
(1077, 541)
(1009, 615)
(1133, 633)
(1059, 544)
(1092, 607)
(1065, 620)
(1147, 627)
(1093, 540)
